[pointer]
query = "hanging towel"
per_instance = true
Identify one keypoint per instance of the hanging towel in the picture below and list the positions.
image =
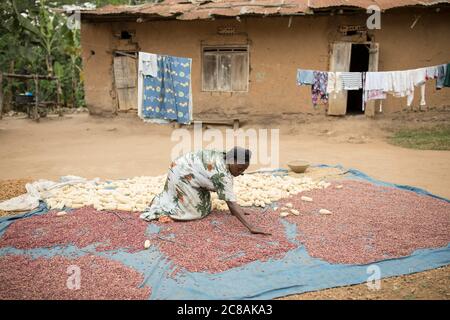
(351, 80)
(403, 85)
(419, 76)
(378, 81)
(334, 82)
(372, 95)
(376, 84)
(149, 64)
(399, 83)
(375, 95)
(305, 77)
(331, 83)
(168, 95)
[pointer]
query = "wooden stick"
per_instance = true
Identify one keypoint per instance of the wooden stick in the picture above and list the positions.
(27, 76)
(1, 95)
(58, 97)
(170, 240)
(36, 102)
(126, 54)
(117, 215)
(230, 256)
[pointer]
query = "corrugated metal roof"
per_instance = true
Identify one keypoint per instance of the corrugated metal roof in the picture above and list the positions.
(204, 9)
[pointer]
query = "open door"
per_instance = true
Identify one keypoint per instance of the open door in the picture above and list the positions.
(125, 77)
(339, 61)
(373, 66)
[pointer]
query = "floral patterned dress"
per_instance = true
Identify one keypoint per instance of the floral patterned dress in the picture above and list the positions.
(191, 178)
(319, 87)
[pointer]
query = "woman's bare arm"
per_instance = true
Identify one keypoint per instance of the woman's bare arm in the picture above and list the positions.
(237, 211)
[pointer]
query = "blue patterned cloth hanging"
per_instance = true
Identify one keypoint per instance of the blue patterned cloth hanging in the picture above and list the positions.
(168, 96)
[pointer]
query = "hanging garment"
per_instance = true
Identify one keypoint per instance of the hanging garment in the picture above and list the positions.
(447, 76)
(419, 76)
(363, 102)
(331, 83)
(319, 87)
(305, 77)
(378, 81)
(376, 84)
(351, 80)
(441, 72)
(168, 95)
(431, 72)
(403, 85)
(422, 95)
(399, 83)
(334, 82)
(375, 95)
(149, 64)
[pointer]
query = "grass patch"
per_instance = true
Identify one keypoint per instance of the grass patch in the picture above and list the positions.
(436, 138)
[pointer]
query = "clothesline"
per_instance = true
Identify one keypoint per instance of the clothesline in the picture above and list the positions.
(374, 71)
(375, 84)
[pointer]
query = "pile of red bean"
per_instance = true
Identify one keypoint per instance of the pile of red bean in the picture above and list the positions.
(214, 244)
(81, 227)
(87, 277)
(220, 242)
(368, 222)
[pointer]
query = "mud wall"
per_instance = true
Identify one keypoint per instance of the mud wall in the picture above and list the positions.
(97, 45)
(277, 47)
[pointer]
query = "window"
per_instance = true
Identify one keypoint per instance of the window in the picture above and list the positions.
(124, 34)
(225, 69)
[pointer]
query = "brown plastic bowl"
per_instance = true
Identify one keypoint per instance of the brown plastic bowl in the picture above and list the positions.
(298, 166)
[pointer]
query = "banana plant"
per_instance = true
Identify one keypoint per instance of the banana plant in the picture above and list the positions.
(47, 29)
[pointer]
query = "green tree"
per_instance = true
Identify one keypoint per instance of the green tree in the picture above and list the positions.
(35, 39)
(47, 29)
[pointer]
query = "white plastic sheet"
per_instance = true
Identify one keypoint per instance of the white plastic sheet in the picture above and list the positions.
(36, 191)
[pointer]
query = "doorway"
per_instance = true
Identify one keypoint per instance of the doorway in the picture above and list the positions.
(359, 62)
(125, 78)
(357, 57)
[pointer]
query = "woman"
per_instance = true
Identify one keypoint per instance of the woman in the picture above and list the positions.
(191, 178)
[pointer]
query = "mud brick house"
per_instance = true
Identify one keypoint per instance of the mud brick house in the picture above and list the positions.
(245, 54)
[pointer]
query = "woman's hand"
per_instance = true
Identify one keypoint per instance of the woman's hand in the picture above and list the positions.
(236, 211)
(259, 231)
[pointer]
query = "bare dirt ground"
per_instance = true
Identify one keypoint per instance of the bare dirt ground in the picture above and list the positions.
(124, 146)
(428, 285)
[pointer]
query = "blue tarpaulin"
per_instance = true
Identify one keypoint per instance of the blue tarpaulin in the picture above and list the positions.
(296, 272)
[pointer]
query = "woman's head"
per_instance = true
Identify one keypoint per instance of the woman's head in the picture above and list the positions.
(238, 160)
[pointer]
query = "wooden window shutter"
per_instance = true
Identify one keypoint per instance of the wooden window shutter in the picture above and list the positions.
(225, 69)
(224, 82)
(239, 71)
(210, 76)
